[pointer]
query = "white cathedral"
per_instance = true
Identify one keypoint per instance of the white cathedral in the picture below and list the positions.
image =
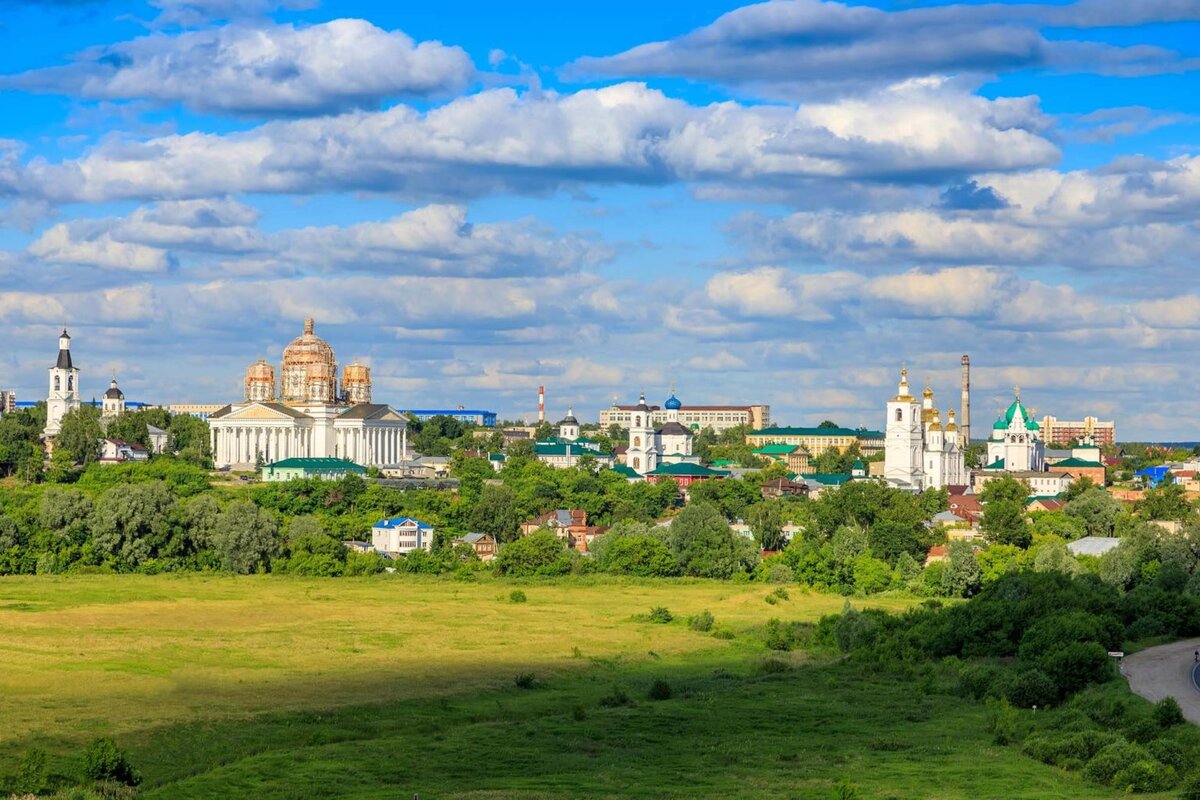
(649, 447)
(919, 452)
(306, 416)
(1016, 443)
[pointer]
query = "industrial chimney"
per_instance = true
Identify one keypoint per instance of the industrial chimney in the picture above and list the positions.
(965, 427)
(541, 404)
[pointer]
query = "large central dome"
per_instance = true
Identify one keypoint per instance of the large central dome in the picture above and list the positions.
(308, 371)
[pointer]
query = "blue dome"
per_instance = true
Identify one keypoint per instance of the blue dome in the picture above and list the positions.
(672, 403)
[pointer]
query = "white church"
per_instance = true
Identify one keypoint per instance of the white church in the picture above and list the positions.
(63, 395)
(649, 446)
(919, 451)
(1016, 443)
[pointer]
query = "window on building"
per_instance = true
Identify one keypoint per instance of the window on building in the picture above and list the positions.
(899, 415)
(57, 383)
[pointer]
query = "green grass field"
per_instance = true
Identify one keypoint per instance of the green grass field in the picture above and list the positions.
(379, 688)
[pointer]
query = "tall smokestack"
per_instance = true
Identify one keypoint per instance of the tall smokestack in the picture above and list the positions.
(966, 400)
(541, 404)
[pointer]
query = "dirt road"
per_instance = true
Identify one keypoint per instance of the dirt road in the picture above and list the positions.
(1167, 671)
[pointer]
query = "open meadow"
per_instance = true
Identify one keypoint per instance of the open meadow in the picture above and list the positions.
(382, 687)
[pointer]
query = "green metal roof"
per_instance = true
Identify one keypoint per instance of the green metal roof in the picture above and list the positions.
(317, 465)
(1077, 462)
(828, 478)
(775, 450)
(688, 470)
(576, 450)
(628, 472)
(725, 462)
(997, 464)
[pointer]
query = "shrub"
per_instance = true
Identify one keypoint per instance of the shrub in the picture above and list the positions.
(1077, 664)
(617, 697)
(780, 636)
(1002, 721)
(782, 593)
(660, 615)
(30, 777)
(723, 633)
(104, 761)
(524, 680)
(702, 622)
(771, 599)
(1169, 753)
(1071, 750)
(1167, 712)
(539, 553)
(976, 680)
(660, 690)
(517, 596)
(1026, 688)
(1112, 759)
(579, 714)
(780, 573)
(1191, 790)
(1145, 776)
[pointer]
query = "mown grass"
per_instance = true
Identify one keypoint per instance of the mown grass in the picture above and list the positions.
(381, 688)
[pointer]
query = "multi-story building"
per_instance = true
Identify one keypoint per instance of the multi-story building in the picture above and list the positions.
(467, 416)
(8, 401)
(401, 535)
(199, 410)
(1088, 429)
(696, 418)
(818, 440)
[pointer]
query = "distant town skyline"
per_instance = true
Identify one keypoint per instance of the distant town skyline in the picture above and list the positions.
(778, 203)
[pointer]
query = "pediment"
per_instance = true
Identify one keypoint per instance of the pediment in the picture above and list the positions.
(259, 412)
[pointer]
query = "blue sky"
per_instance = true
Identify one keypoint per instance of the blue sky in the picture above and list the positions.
(781, 202)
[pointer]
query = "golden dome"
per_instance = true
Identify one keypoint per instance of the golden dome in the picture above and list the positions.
(260, 382)
(307, 357)
(356, 382)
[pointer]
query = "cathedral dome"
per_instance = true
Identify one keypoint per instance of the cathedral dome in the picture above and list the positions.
(307, 356)
(260, 382)
(673, 403)
(356, 383)
(114, 393)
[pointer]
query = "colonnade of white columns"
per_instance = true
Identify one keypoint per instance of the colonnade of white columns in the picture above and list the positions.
(369, 445)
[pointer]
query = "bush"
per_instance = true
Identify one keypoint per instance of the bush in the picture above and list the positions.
(782, 593)
(660, 690)
(1026, 688)
(976, 680)
(660, 615)
(1145, 776)
(780, 636)
(579, 714)
(1071, 750)
(771, 599)
(1112, 759)
(702, 622)
(30, 777)
(540, 553)
(1169, 753)
(617, 697)
(517, 596)
(1002, 721)
(524, 680)
(104, 761)
(1167, 712)
(780, 573)
(1191, 790)
(723, 633)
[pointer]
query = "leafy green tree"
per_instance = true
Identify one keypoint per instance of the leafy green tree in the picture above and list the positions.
(519, 449)
(1166, 503)
(130, 427)
(539, 553)
(732, 497)
(246, 537)
(1096, 509)
(935, 501)
(766, 520)
(65, 513)
(497, 512)
(704, 546)
(130, 522)
(80, 434)
(888, 539)
(828, 424)
(1004, 511)
(639, 555)
(1058, 524)
(871, 575)
(189, 437)
(962, 577)
(19, 438)
(62, 467)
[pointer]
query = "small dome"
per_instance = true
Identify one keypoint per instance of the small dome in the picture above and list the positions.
(673, 403)
(569, 419)
(114, 393)
(641, 406)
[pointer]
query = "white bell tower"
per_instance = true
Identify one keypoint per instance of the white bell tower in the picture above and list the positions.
(63, 395)
(904, 440)
(642, 455)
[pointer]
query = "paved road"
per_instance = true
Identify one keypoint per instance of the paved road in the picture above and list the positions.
(1167, 671)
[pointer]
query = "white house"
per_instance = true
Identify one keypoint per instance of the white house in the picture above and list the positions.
(118, 451)
(400, 535)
